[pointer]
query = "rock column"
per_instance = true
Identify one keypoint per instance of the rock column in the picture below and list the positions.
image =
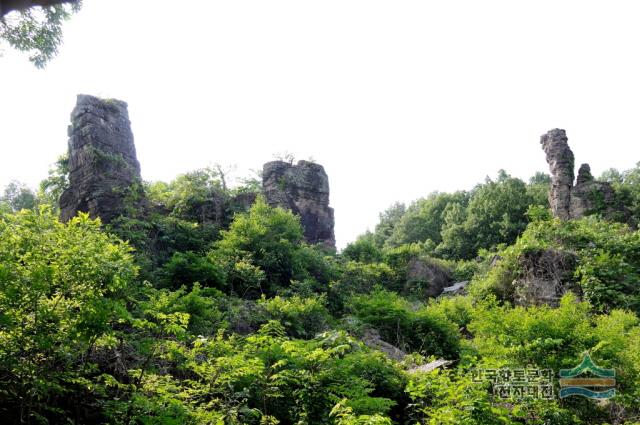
(561, 162)
(304, 189)
(104, 173)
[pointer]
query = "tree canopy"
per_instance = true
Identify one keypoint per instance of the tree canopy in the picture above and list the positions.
(35, 27)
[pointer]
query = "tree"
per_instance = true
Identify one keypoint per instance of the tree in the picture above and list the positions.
(35, 26)
(364, 249)
(52, 187)
(627, 187)
(538, 189)
(496, 214)
(18, 196)
(388, 221)
(424, 219)
(261, 249)
(59, 295)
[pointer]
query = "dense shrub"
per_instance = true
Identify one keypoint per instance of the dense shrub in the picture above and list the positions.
(61, 291)
(607, 266)
(301, 317)
(413, 328)
(188, 268)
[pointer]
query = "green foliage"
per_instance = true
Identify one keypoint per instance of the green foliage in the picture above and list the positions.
(52, 187)
(17, 196)
(388, 221)
(444, 398)
(192, 196)
(495, 215)
(607, 266)
(457, 309)
(188, 267)
(425, 219)
(241, 322)
(358, 278)
(538, 189)
(414, 328)
(61, 291)
(263, 251)
(364, 249)
(557, 338)
(627, 191)
(301, 317)
(457, 225)
(343, 415)
(37, 31)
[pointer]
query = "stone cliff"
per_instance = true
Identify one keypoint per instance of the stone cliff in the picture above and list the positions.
(304, 189)
(587, 196)
(104, 173)
(104, 176)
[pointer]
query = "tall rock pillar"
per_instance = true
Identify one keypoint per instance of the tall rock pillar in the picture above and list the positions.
(587, 196)
(104, 173)
(304, 189)
(561, 162)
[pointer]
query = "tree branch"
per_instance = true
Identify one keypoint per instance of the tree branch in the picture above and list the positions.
(7, 6)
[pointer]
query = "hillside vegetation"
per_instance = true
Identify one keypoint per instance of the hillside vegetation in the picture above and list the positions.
(178, 318)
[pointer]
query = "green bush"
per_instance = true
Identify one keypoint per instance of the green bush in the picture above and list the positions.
(301, 317)
(188, 268)
(607, 267)
(411, 328)
(61, 291)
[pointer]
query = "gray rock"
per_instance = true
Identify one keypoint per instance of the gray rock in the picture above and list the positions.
(429, 367)
(584, 175)
(546, 275)
(304, 189)
(104, 173)
(458, 288)
(372, 339)
(426, 278)
(587, 196)
(561, 162)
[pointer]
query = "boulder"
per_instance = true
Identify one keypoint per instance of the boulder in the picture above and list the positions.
(426, 278)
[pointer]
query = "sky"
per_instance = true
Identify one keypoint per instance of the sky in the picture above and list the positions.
(394, 99)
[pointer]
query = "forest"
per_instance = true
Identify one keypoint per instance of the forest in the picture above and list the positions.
(196, 301)
(177, 318)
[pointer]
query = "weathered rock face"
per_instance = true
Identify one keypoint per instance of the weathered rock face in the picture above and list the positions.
(590, 195)
(561, 162)
(569, 201)
(547, 274)
(426, 278)
(304, 189)
(104, 173)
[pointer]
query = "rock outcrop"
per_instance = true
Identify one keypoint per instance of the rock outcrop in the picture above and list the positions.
(587, 196)
(426, 278)
(590, 195)
(546, 275)
(561, 162)
(104, 173)
(304, 189)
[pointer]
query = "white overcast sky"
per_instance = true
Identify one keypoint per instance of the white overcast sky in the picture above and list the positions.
(395, 98)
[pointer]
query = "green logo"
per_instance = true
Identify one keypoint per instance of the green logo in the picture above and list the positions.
(571, 382)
